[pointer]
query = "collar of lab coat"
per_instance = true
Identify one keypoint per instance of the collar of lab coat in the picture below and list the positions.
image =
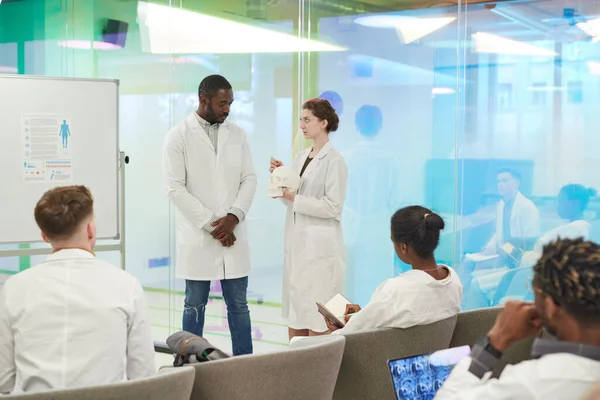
(193, 125)
(322, 153)
(417, 274)
(65, 254)
(519, 199)
(542, 347)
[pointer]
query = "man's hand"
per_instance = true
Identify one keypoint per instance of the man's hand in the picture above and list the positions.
(517, 321)
(224, 227)
(228, 241)
(350, 309)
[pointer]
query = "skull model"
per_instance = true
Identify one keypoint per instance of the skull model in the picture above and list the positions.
(283, 177)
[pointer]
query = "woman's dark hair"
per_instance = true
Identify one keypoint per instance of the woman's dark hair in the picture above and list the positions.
(323, 110)
(417, 227)
(578, 192)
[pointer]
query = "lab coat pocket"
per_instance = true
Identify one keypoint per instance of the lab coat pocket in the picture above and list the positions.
(320, 242)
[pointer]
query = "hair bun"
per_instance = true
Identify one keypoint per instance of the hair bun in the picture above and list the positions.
(333, 122)
(434, 221)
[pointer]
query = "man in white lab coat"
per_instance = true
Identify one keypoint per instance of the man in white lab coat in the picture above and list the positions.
(518, 219)
(566, 284)
(517, 223)
(210, 179)
(74, 320)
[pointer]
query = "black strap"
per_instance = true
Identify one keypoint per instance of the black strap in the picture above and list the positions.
(483, 358)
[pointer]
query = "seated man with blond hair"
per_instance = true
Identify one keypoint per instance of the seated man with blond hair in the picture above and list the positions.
(74, 320)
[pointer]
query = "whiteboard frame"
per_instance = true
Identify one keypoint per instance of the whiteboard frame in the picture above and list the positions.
(120, 236)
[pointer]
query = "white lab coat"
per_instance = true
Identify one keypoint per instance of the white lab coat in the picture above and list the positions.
(202, 185)
(488, 280)
(73, 321)
(410, 299)
(524, 222)
(559, 376)
(314, 254)
(572, 230)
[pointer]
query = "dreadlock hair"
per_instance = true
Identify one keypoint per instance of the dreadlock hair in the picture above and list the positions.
(212, 84)
(569, 272)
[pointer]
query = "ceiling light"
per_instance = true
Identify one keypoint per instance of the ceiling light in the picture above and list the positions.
(168, 30)
(591, 28)
(442, 90)
(545, 88)
(594, 67)
(88, 45)
(488, 43)
(408, 28)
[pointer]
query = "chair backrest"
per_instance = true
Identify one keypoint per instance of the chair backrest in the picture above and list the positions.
(514, 286)
(308, 370)
(172, 384)
(364, 371)
(474, 325)
(503, 286)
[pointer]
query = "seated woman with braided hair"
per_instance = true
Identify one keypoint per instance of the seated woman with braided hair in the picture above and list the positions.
(566, 286)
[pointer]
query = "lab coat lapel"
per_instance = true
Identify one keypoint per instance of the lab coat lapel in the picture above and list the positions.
(198, 131)
(314, 164)
(514, 215)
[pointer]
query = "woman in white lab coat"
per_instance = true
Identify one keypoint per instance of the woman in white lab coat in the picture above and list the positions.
(314, 256)
(428, 293)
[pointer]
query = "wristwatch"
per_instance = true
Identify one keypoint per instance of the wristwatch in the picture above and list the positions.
(487, 346)
(483, 357)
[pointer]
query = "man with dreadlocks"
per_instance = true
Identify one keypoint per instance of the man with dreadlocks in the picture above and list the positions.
(566, 285)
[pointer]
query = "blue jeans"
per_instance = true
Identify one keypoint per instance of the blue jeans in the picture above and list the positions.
(238, 314)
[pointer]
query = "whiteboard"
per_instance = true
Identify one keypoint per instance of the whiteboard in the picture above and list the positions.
(57, 132)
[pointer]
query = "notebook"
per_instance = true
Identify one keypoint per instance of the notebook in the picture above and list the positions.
(334, 309)
(420, 377)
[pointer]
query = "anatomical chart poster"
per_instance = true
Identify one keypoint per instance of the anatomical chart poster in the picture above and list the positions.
(47, 148)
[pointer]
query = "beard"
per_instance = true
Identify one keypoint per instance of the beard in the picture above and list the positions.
(548, 329)
(211, 115)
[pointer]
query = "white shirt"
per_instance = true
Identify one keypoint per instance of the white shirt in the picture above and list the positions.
(524, 222)
(73, 321)
(410, 299)
(560, 376)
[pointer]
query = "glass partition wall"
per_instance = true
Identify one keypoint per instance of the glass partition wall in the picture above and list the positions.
(474, 110)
